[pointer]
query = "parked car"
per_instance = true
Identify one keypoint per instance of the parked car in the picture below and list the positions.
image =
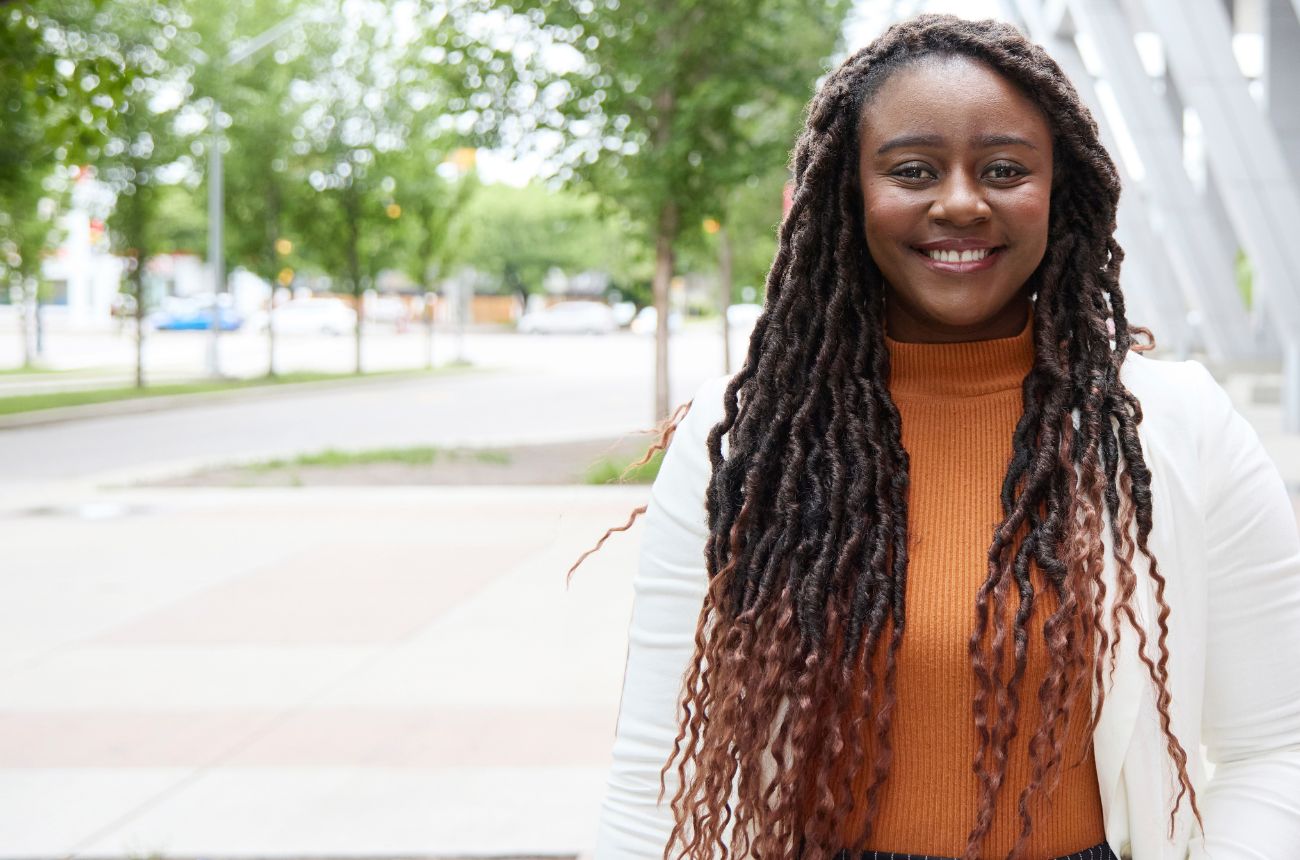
(624, 312)
(307, 316)
(183, 313)
(743, 315)
(648, 318)
(569, 318)
(387, 309)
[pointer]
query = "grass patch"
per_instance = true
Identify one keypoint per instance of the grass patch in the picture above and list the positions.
(34, 370)
(608, 470)
(56, 399)
(418, 456)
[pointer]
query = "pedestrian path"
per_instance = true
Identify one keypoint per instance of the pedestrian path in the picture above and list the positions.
(311, 672)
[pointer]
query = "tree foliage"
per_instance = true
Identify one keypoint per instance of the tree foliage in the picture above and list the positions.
(518, 234)
(668, 106)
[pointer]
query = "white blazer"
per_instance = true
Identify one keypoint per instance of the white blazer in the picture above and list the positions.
(1224, 536)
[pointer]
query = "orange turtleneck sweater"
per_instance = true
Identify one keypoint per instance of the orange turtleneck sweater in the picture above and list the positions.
(959, 404)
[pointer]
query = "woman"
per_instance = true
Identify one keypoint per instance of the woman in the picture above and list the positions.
(945, 548)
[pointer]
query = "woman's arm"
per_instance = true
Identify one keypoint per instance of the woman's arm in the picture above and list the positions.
(669, 585)
(1251, 718)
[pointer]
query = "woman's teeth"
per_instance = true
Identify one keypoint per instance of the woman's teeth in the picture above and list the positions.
(959, 256)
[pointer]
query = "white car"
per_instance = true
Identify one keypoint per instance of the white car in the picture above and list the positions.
(743, 315)
(624, 312)
(648, 317)
(569, 318)
(308, 316)
(387, 309)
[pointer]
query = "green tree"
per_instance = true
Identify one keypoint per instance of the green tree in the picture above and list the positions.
(62, 75)
(432, 194)
(256, 51)
(145, 152)
(347, 122)
(25, 233)
(673, 104)
(391, 80)
(181, 222)
(61, 80)
(266, 49)
(519, 234)
(738, 246)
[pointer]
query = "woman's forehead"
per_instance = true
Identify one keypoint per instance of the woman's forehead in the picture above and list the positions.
(951, 101)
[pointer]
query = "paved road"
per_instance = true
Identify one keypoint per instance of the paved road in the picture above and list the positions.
(525, 389)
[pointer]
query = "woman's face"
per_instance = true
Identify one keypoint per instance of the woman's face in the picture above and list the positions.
(956, 168)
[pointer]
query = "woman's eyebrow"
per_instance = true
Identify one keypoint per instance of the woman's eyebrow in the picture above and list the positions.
(986, 142)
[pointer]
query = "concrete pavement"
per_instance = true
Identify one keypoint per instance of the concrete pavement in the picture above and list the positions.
(311, 672)
(338, 672)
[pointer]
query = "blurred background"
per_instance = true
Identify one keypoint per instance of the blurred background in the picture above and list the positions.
(329, 330)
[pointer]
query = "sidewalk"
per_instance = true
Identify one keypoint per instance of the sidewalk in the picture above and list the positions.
(440, 694)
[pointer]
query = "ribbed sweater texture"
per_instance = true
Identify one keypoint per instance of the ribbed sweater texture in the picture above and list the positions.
(959, 404)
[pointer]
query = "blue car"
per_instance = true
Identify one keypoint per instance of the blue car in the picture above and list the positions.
(196, 320)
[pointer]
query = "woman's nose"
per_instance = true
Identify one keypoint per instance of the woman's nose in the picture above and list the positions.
(960, 200)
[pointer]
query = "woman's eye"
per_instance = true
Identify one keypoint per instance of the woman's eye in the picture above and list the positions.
(912, 171)
(1005, 171)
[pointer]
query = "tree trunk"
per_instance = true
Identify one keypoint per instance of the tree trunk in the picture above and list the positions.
(270, 332)
(26, 318)
(425, 254)
(39, 320)
(429, 298)
(665, 261)
(272, 264)
(665, 103)
(724, 293)
(354, 265)
(357, 295)
(137, 288)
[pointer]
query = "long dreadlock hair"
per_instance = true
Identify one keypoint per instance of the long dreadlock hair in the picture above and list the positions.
(808, 519)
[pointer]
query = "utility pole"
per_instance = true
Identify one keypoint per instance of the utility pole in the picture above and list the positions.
(216, 238)
(216, 182)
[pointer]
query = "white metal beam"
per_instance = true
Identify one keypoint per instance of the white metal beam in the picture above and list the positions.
(1053, 21)
(1201, 255)
(1249, 168)
(1148, 280)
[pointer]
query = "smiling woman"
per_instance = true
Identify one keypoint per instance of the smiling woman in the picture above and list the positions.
(946, 569)
(957, 199)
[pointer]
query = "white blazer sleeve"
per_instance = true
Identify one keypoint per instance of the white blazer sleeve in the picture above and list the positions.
(669, 590)
(1251, 716)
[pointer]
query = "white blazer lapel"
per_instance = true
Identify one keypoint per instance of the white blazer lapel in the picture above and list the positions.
(1124, 694)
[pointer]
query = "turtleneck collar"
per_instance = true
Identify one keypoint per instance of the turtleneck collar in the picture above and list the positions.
(966, 369)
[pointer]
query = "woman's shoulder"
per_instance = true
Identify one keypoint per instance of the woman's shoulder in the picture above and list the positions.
(709, 395)
(684, 474)
(1161, 379)
(707, 407)
(1189, 417)
(1181, 394)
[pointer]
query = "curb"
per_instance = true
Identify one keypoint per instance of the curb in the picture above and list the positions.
(165, 402)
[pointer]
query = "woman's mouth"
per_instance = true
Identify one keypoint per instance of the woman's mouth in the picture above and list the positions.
(960, 262)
